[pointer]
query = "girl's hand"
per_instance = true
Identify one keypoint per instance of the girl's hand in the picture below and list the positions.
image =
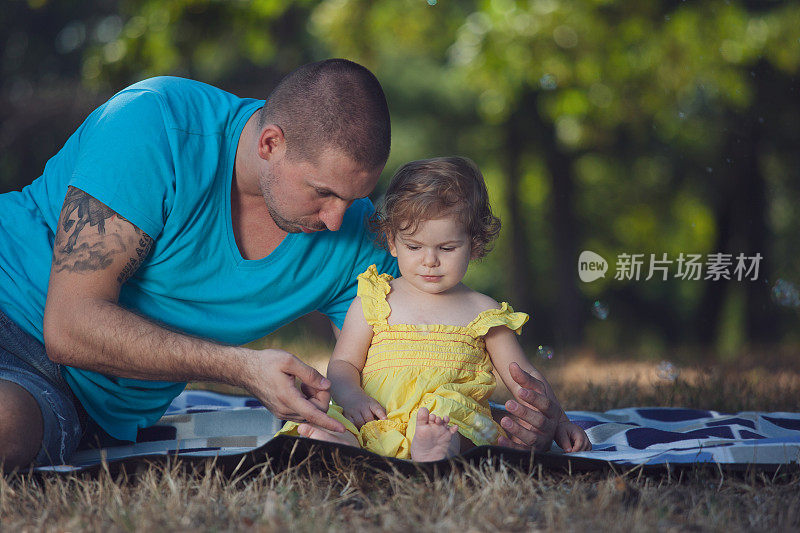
(572, 438)
(360, 409)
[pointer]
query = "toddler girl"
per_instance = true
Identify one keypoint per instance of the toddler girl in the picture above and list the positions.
(411, 373)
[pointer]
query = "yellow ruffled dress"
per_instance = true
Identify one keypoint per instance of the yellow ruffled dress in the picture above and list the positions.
(441, 367)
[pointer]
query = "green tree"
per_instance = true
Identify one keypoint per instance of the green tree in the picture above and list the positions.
(629, 113)
(652, 127)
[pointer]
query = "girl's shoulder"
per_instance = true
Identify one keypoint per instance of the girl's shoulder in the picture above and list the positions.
(372, 290)
(490, 313)
(373, 284)
(478, 302)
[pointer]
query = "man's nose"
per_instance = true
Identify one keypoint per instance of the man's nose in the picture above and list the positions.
(333, 214)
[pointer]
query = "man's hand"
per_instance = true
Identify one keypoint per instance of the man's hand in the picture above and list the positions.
(534, 416)
(271, 378)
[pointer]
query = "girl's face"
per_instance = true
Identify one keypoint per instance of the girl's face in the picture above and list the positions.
(435, 258)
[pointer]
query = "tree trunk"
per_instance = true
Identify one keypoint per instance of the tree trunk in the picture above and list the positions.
(569, 319)
(760, 317)
(516, 226)
(741, 215)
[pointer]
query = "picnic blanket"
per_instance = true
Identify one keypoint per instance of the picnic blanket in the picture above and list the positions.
(239, 431)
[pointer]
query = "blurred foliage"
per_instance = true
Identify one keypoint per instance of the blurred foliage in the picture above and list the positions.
(618, 127)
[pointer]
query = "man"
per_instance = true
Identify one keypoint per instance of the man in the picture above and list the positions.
(178, 213)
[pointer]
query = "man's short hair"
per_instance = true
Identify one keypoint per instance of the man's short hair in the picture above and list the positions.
(334, 103)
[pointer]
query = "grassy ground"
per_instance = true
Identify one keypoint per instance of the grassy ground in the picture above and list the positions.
(482, 498)
(477, 499)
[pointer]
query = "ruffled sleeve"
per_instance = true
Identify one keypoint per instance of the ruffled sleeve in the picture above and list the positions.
(372, 289)
(504, 316)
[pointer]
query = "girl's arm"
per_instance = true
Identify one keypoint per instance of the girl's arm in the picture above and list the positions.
(504, 349)
(346, 364)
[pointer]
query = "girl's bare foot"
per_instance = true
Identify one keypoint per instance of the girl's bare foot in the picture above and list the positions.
(317, 433)
(434, 438)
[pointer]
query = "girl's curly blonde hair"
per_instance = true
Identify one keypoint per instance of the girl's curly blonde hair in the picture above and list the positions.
(433, 188)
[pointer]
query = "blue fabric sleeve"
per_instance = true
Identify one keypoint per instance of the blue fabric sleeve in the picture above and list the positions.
(125, 159)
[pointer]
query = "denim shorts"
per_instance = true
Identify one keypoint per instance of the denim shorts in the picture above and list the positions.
(23, 361)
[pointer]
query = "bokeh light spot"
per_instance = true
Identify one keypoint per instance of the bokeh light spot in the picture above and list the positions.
(545, 352)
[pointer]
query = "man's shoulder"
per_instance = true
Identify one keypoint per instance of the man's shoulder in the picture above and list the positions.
(172, 84)
(182, 97)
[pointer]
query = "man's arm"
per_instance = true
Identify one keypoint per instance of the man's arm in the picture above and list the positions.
(95, 252)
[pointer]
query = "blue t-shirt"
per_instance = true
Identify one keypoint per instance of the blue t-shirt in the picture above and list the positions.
(161, 153)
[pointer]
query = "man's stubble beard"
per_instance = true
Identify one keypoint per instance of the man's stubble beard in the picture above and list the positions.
(282, 223)
(265, 183)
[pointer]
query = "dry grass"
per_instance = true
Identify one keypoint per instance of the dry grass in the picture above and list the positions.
(589, 385)
(483, 498)
(488, 497)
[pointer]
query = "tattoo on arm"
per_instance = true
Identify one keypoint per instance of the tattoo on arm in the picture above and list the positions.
(142, 249)
(76, 250)
(89, 211)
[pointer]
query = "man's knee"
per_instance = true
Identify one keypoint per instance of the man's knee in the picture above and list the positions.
(21, 426)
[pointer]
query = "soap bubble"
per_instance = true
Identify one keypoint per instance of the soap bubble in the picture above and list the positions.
(785, 293)
(667, 371)
(485, 427)
(545, 352)
(600, 310)
(548, 82)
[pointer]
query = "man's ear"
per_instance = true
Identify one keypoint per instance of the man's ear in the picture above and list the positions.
(271, 142)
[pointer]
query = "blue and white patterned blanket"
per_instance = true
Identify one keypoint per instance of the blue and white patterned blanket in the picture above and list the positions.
(671, 435)
(207, 424)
